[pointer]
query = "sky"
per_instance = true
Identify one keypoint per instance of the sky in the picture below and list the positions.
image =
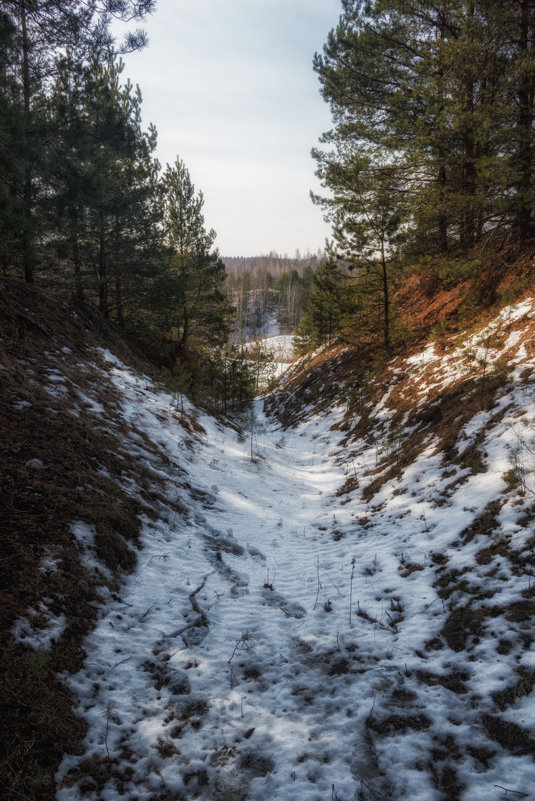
(230, 86)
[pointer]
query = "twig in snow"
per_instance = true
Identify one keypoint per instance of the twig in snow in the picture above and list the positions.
(146, 612)
(515, 792)
(373, 793)
(108, 714)
(244, 643)
(425, 520)
(353, 562)
(336, 587)
(370, 713)
(319, 582)
(121, 662)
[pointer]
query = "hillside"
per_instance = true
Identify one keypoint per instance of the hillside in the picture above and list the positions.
(336, 603)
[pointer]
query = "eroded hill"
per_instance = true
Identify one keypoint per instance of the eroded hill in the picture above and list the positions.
(340, 608)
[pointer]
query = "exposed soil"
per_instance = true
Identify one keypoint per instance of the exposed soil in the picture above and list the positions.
(57, 466)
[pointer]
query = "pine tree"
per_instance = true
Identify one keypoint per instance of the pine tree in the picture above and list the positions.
(44, 31)
(369, 210)
(11, 150)
(325, 308)
(107, 199)
(189, 298)
(445, 90)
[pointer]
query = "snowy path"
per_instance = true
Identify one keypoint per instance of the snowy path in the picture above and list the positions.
(276, 641)
(199, 661)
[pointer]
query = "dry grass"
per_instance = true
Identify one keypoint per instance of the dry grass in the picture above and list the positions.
(58, 464)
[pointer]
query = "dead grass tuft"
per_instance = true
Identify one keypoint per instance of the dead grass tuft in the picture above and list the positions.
(521, 687)
(462, 623)
(454, 681)
(394, 724)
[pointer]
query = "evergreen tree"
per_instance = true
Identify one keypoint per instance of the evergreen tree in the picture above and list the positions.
(233, 381)
(326, 306)
(44, 31)
(107, 203)
(189, 299)
(368, 208)
(445, 90)
(11, 150)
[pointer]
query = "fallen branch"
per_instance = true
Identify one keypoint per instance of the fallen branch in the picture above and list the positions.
(515, 792)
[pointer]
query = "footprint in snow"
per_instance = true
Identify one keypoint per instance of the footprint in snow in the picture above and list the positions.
(218, 541)
(255, 553)
(239, 581)
(290, 608)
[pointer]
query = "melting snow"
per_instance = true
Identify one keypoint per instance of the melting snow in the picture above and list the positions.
(276, 639)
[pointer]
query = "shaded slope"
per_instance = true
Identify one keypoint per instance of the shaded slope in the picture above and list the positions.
(61, 459)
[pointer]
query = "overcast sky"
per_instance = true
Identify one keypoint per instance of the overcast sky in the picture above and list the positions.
(230, 87)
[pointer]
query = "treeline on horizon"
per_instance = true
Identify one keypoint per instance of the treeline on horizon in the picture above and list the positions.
(430, 158)
(273, 263)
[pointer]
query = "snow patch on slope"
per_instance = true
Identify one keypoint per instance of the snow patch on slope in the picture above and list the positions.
(290, 634)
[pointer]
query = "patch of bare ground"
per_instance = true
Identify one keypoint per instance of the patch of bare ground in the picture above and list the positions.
(523, 686)
(393, 724)
(58, 464)
(509, 735)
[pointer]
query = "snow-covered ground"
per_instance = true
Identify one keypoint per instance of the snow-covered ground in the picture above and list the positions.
(283, 351)
(282, 346)
(281, 641)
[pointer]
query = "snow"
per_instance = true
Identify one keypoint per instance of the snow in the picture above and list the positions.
(34, 464)
(281, 345)
(84, 535)
(275, 627)
(27, 630)
(21, 405)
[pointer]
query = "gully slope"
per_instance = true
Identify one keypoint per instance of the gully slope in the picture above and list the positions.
(341, 610)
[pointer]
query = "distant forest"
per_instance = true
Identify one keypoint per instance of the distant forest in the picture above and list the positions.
(269, 292)
(273, 263)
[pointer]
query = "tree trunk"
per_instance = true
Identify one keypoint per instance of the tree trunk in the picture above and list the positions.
(102, 273)
(442, 213)
(117, 273)
(524, 125)
(119, 301)
(75, 249)
(28, 255)
(386, 299)
(442, 178)
(468, 172)
(185, 329)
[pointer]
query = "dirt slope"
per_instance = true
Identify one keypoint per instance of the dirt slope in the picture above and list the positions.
(62, 457)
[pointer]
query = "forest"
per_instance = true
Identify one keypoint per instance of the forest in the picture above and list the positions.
(428, 167)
